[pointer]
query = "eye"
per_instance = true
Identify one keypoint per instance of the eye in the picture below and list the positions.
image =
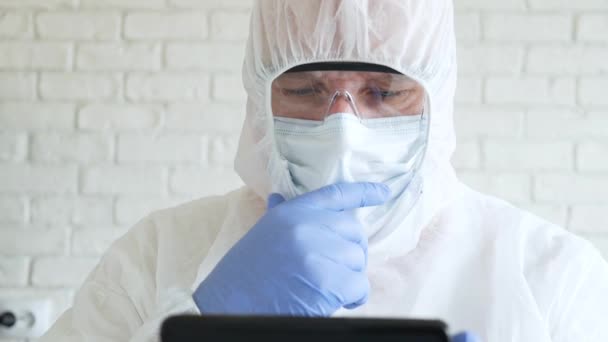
(395, 93)
(387, 94)
(299, 92)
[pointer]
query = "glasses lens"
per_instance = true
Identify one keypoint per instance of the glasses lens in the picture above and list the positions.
(314, 95)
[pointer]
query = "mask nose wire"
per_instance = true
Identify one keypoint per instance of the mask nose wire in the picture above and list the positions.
(349, 98)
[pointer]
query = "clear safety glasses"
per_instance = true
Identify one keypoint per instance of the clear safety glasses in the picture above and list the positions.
(315, 95)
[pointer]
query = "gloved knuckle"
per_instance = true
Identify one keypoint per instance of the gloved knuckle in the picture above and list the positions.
(354, 227)
(358, 232)
(364, 287)
(366, 190)
(334, 192)
(361, 257)
(368, 287)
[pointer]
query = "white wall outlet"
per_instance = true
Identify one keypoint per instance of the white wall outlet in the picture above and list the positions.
(32, 317)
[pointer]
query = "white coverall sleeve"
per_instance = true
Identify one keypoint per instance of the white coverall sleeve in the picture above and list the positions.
(102, 314)
(580, 310)
(119, 300)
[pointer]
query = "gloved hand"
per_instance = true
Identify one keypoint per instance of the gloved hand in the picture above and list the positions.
(304, 257)
(465, 337)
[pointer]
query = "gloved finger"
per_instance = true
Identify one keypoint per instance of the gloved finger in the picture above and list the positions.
(357, 304)
(337, 281)
(360, 292)
(347, 226)
(340, 251)
(274, 200)
(346, 196)
(465, 337)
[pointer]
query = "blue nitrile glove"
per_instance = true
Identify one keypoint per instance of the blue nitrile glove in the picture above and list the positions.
(465, 337)
(304, 257)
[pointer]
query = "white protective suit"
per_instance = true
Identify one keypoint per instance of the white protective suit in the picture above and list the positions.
(471, 260)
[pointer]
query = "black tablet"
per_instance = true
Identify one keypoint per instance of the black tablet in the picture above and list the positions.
(300, 329)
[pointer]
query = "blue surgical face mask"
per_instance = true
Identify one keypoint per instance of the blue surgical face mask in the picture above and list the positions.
(344, 148)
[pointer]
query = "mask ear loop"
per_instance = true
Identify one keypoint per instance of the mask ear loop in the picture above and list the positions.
(349, 98)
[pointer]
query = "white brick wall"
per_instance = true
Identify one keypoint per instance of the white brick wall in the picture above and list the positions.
(78, 25)
(532, 110)
(167, 25)
(112, 108)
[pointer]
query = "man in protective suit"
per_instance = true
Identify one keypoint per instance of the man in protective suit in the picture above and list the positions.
(351, 206)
